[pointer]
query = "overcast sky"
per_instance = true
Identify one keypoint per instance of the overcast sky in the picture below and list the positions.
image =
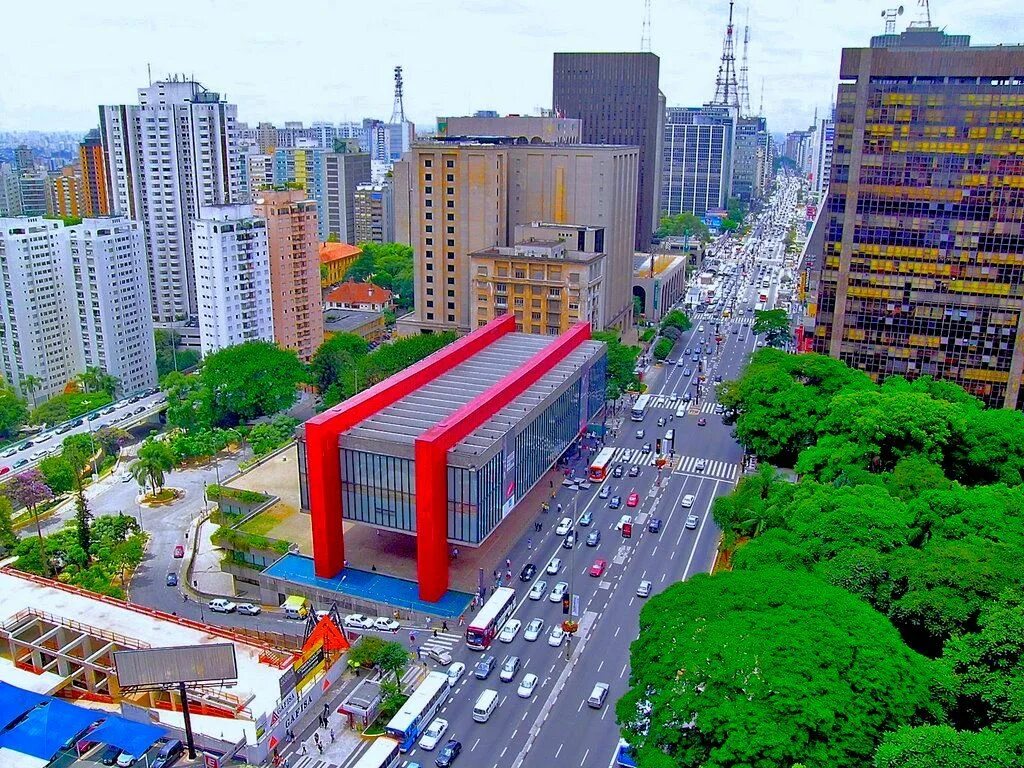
(332, 59)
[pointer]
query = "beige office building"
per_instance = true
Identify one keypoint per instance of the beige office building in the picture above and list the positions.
(551, 279)
(454, 199)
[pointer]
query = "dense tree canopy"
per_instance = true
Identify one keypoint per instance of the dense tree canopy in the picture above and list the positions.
(767, 669)
(621, 363)
(684, 225)
(388, 265)
(939, 746)
(335, 358)
(13, 412)
(774, 324)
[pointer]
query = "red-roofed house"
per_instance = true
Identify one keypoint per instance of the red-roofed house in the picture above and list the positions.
(365, 296)
(337, 258)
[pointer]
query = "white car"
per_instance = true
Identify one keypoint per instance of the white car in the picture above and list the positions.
(556, 636)
(358, 621)
(538, 589)
(564, 526)
(701, 465)
(533, 630)
(622, 521)
(700, 329)
(554, 566)
(384, 624)
(510, 630)
(125, 760)
(433, 734)
(249, 609)
(691, 521)
(455, 672)
(559, 592)
(687, 501)
(527, 686)
(220, 605)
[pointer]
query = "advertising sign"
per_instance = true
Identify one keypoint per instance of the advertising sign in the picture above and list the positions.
(311, 662)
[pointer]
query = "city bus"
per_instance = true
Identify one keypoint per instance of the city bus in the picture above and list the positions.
(419, 709)
(640, 408)
(670, 438)
(383, 753)
(486, 625)
(600, 466)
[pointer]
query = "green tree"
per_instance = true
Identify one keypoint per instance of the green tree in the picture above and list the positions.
(170, 356)
(83, 519)
(389, 265)
(621, 363)
(112, 439)
(13, 412)
(8, 538)
(767, 668)
(663, 349)
(28, 489)
(189, 402)
(336, 357)
(367, 652)
(684, 225)
(58, 474)
(31, 384)
(95, 379)
(678, 320)
(774, 324)
(939, 746)
(393, 659)
(250, 380)
(155, 459)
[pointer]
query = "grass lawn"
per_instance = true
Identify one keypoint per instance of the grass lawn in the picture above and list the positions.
(266, 521)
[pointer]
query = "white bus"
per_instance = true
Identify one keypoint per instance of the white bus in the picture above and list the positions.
(640, 408)
(383, 753)
(419, 710)
(486, 625)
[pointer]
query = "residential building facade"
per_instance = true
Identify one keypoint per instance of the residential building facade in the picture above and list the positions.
(168, 156)
(95, 182)
(374, 213)
(293, 250)
(453, 199)
(697, 155)
(67, 192)
(232, 269)
(551, 278)
(919, 269)
(616, 96)
(111, 286)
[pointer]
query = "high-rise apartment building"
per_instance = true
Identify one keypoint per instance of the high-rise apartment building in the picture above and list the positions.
(294, 252)
(259, 174)
(37, 327)
(10, 192)
(24, 159)
(111, 287)
(36, 194)
(617, 97)
(821, 156)
(697, 152)
(331, 179)
(167, 156)
(232, 269)
(455, 198)
(753, 159)
(919, 254)
(375, 213)
(551, 278)
(67, 191)
(95, 183)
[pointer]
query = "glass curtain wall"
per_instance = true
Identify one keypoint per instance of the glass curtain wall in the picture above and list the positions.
(378, 489)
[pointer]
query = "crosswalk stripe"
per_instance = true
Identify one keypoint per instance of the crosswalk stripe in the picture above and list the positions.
(722, 470)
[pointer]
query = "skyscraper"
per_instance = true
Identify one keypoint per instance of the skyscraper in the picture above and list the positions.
(331, 179)
(697, 156)
(617, 97)
(95, 183)
(169, 155)
(752, 164)
(919, 254)
(375, 213)
(294, 253)
(232, 269)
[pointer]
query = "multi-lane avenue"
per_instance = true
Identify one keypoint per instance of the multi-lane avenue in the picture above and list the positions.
(555, 726)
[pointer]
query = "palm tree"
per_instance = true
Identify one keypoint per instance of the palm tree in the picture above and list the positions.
(148, 470)
(31, 384)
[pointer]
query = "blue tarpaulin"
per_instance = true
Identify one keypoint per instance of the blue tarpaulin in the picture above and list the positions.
(130, 736)
(47, 727)
(15, 702)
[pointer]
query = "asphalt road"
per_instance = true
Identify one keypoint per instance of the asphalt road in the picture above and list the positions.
(555, 726)
(34, 449)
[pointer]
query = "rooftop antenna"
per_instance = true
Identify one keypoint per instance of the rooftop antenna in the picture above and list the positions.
(149, 72)
(924, 15)
(398, 111)
(890, 15)
(645, 34)
(760, 107)
(744, 87)
(725, 85)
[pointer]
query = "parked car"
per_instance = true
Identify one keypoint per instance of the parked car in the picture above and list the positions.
(170, 753)
(125, 760)
(357, 621)
(220, 605)
(386, 624)
(110, 754)
(249, 609)
(593, 538)
(510, 630)
(533, 630)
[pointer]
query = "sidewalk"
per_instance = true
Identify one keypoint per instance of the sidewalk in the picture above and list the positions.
(207, 578)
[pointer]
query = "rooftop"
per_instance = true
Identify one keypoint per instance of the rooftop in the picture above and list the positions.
(411, 416)
(663, 262)
(351, 292)
(347, 320)
(334, 251)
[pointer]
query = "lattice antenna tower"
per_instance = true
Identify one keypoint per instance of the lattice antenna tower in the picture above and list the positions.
(924, 15)
(645, 33)
(726, 89)
(398, 111)
(744, 87)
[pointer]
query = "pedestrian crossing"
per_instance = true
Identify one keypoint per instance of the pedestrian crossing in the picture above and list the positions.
(309, 761)
(663, 401)
(444, 641)
(723, 470)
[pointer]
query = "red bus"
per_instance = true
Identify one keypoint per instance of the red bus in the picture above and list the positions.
(486, 625)
(601, 465)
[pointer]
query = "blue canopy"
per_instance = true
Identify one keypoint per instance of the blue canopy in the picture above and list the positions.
(15, 702)
(47, 727)
(128, 735)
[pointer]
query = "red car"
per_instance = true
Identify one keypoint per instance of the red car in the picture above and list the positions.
(4, 470)
(598, 567)
(633, 499)
(179, 551)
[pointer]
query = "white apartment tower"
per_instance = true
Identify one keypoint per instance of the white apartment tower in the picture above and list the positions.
(232, 270)
(173, 152)
(38, 333)
(111, 285)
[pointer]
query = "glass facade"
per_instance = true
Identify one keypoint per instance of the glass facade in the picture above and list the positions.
(696, 160)
(926, 277)
(378, 489)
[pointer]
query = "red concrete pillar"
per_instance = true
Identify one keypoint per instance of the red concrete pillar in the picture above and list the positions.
(323, 473)
(431, 519)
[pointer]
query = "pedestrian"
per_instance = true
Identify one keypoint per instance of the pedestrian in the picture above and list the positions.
(495, 574)
(320, 747)
(456, 553)
(508, 576)
(435, 632)
(428, 622)
(444, 626)
(332, 735)
(462, 620)
(508, 562)
(529, 543)
(303, 747)
(316, 737)
(184, 597)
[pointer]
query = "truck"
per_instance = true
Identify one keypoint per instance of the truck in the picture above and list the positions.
(296, 607)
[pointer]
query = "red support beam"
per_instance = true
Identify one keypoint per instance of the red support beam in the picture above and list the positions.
(323, 465)
(432, 448)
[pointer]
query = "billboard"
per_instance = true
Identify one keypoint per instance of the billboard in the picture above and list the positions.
(311, 662)
(156, 667)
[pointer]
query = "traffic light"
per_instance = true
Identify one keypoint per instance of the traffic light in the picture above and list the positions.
(565, 603)
(657, 445)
